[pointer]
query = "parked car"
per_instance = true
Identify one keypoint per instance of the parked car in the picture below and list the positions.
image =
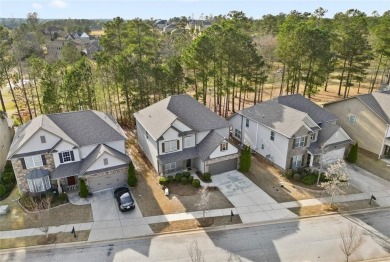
(124, 199)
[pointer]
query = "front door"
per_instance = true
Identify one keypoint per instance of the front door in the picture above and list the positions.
(308, 160)
(71, 180)
(188, 163)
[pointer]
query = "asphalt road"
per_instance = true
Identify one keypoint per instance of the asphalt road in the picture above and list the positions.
(314, 239)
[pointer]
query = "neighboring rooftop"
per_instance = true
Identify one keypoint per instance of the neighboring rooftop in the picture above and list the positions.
(379, 102)
(281, 118)
(316, 112)
(157, 118)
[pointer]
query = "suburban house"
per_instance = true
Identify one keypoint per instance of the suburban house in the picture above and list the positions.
(178, 133)
(53, 151)
(6, 135)
(291, 132)
(366, 118)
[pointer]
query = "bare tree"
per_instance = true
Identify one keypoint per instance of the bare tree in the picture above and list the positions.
(40, 211)
(195, 252)
(336, 179)
(350, 240)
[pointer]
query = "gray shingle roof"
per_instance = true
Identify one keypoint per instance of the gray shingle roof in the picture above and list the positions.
(66, 170)
(281, 118)
(187, 153)
(298, 102)
(37, 173)
(379, 102)
(157, 118)
(209, 144)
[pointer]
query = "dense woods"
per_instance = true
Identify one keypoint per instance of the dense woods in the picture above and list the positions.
(227, 66)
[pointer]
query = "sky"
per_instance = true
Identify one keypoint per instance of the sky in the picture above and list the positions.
(163, 9)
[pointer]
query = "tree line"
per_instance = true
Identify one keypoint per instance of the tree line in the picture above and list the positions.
(224, 67)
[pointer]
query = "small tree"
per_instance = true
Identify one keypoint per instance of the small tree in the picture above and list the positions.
(353, 154)
(245, 159)
(40, 211)
(132, 179)
(350, 241)
(336, 178)
(195, 252)
(83, 188)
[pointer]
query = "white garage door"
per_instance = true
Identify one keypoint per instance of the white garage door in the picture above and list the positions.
(334, 155)
(105, 181)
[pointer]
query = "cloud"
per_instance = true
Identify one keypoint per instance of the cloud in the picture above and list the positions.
(58, 4)
(37, 6)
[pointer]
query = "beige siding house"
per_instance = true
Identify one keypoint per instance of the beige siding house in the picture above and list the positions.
(6, 135)
(366, 118)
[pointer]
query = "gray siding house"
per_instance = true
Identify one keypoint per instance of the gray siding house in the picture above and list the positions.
(53, 151)
(178, 133)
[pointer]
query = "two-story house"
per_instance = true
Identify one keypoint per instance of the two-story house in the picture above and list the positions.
(178, 132)
(291, 132)
(53, 151)
(366, 118)
(6, 135)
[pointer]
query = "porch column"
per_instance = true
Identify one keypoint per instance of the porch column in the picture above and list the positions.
(311, 160)
(59, 186)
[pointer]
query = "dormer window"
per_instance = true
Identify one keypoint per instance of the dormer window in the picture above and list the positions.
(352, 119)
(105, 161)
(313, 136)
(224, 146)
(247, 122)
(43, 139)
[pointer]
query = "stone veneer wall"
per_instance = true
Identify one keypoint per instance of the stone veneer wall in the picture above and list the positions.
(298, 151)
(20, 173)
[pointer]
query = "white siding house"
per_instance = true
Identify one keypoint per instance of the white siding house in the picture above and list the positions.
(6, 135)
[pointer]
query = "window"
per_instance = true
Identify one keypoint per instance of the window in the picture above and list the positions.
(272, 135)
(262, 146)
(39, 184)
(313, 136)
(147, 135)
(299, 142)
(247, 122)
(43, 139)
(33, 161)
(352, 119)
(105, 161)
(297, 161)
(170, 166)
(170, 146)
(224, 146)
(237, 133)
(187, 141)
(66, 156)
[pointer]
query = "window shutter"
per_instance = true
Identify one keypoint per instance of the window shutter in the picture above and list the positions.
(303, 161)
(61, 159)
(178, 145)
(291, 163)
(220, 147)
(305, 140)
(43, 160)
(71, 155)
(294, 140)
(23, 163)
(163, 147)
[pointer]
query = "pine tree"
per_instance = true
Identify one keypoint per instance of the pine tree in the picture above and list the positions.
(353, 154)
(245, 159)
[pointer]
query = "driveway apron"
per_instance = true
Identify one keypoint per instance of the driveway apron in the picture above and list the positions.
(110, 223)
(251, 202)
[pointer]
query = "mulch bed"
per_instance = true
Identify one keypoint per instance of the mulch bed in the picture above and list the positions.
(194, 224)
(182, 190)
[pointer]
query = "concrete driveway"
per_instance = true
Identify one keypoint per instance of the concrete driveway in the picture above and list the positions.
(110, 223)
(251, 202)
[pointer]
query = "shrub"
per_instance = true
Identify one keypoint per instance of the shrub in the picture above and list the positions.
(353, 154)
(83, 188)
(184, 180)
(297, 177)
(132, 178)
(207, 177)
(323, 178)
(170, 179)
(245, 159)
(187, 174)
(196, 183)
(310, 179)
(178, 177)
(3, 191)
(190, 178)
(288, 174)
(163, 181)
(63, 198)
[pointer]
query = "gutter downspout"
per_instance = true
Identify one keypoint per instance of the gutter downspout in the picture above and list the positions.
(383, 142)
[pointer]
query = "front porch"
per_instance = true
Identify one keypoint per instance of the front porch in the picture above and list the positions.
(66, 177)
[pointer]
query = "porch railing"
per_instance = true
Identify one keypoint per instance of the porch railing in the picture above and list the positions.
(71, 188)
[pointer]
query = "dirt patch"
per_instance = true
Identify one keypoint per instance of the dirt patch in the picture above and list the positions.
(324, 209)
(269, 179)
(150, 196)
(41, 240)
(375, 166)
(182, 190)
(194, 224)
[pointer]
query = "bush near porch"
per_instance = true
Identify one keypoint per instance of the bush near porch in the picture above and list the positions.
(306, 176)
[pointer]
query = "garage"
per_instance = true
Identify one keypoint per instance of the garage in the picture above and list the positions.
(334, 155)
(223, 166)
(106, 180)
